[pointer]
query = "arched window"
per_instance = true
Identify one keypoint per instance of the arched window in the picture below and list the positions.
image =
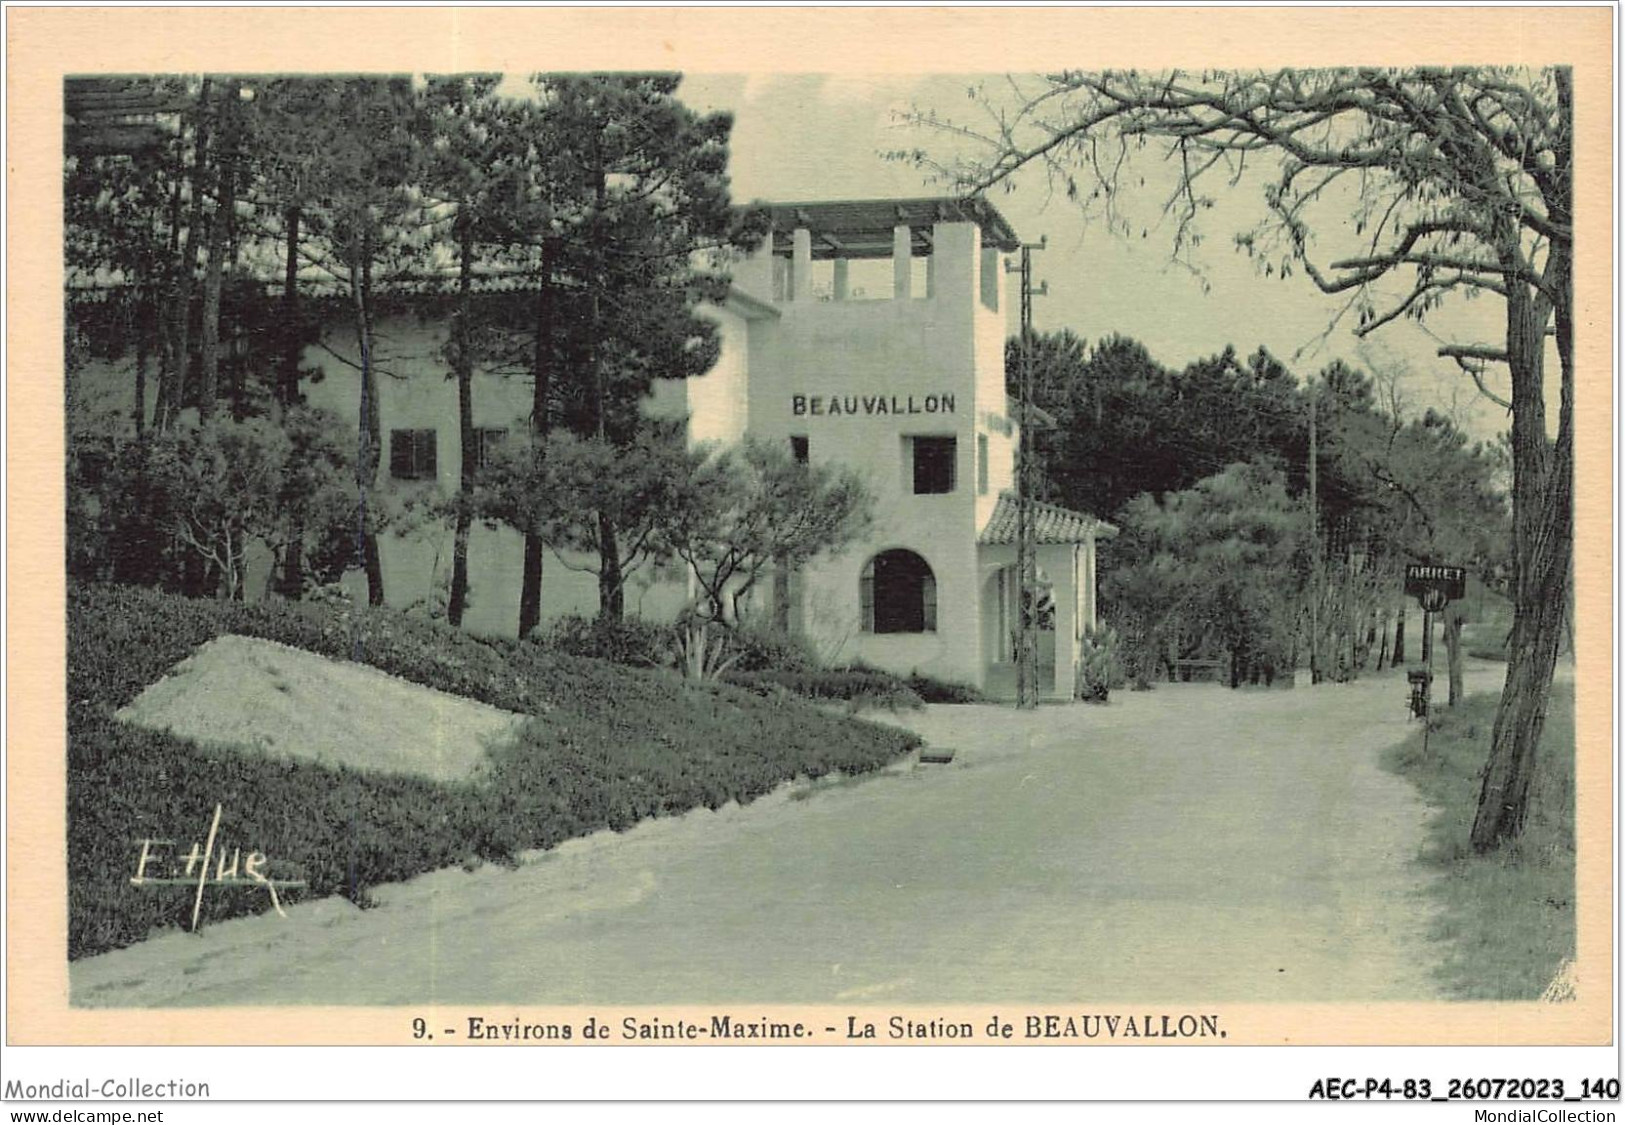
(898, 593)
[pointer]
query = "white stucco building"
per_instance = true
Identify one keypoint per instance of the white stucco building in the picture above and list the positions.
(868, 333)
(871, 333)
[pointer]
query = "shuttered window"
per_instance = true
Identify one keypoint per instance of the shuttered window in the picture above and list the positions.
(897, 593)
(866, 597)
(412, 454)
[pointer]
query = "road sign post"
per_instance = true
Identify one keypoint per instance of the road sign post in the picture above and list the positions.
(1433, 587)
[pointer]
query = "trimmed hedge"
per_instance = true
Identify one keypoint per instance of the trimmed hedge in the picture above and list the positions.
(868, 687)
(864, 687)
(609, 746)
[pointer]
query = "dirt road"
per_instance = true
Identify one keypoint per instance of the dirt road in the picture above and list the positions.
(1190, 843)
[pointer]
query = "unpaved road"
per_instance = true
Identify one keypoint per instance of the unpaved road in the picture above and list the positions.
(1190, 843)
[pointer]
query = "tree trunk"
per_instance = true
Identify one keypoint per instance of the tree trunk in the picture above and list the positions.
(1537, 633)
(1382, 653)
(1503, 800)
(288, 384)
(1399, 637)
(611, 589)
(374, 565)
(166, 403)
(183, 299)
(1452, 648)
(1350, 624)
(194, 576)
(457, 604)
(369, 424)
(1542, 529)
(208, 391)
(464, 352)
(610, 598)
(292, 584)
(242, 317)
(781, 598)
(141, 362)
(530, 589)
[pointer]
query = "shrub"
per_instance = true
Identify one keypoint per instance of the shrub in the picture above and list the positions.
(703, 653)
(932, 690)
(632, 641)
(608, 746)
(762, 650)
(1100, 668)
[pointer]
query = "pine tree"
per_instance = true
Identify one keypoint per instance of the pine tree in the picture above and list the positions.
(639, 193)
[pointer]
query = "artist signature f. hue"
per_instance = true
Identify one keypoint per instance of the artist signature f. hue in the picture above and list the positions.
(238, 871)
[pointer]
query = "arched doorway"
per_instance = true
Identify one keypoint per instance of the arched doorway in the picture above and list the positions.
(1001, 616)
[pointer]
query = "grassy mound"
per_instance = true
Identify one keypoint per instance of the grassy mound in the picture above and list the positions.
(608, 747)
(1507, 917)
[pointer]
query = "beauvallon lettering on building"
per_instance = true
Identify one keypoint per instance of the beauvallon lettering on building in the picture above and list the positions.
(833, 405)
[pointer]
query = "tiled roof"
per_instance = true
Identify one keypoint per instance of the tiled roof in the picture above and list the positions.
(1051, 524)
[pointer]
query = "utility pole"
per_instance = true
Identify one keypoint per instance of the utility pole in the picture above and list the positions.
(1427, 686)
(1026, 548)
(1314, 543)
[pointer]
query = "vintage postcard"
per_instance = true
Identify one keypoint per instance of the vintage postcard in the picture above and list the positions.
(1053, 527)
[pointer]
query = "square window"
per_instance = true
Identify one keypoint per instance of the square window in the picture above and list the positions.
(412, 454)
(934, 465)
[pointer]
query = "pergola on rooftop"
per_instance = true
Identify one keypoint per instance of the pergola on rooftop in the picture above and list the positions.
(857, 229)
(868, 231)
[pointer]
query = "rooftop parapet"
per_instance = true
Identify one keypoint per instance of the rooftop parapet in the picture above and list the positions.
(845, 231)
(856, 229)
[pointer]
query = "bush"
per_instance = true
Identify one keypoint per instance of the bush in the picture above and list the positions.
(932, 690)
(762, 650)
(608, 746)
(1100, 668)
(633, 642)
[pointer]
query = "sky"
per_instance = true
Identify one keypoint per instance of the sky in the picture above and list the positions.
(808, 137)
